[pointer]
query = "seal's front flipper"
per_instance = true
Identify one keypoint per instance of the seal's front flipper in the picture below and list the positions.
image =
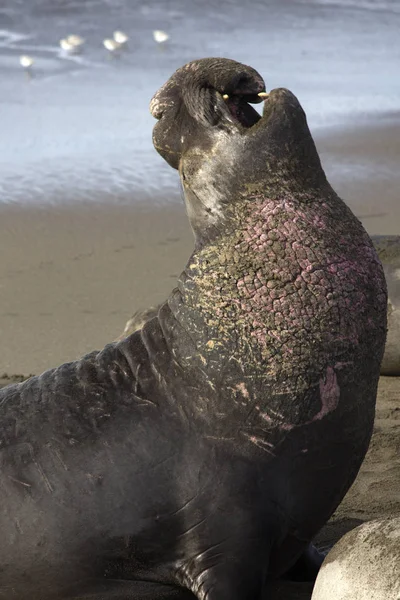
(307, 565)
(117, 589)
(217, 574)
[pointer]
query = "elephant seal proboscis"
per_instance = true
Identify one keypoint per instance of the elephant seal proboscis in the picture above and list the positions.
(206, 450)
(363, 565)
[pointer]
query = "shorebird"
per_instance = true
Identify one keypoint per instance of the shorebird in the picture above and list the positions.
(72, 44)
(160, 36)
(26, 61)
(67, 46)
(75, 40)
(120, 37)
(111, 45)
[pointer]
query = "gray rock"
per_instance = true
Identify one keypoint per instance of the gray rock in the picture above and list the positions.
(363, 565)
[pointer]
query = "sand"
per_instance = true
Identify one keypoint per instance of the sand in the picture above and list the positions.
(71, 277)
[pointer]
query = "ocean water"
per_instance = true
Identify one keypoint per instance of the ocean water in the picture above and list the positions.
(79, 129)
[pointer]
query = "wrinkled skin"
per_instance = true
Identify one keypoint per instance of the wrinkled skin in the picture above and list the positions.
(137, 321)
(206, 450)
(388, 250)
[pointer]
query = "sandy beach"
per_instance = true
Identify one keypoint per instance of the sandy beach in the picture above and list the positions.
(73, 276)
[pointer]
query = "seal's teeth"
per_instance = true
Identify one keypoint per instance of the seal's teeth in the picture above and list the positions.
(225, 96)
(263, 95)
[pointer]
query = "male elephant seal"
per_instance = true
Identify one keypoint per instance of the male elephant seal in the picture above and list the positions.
(363, 565)
(206, 450)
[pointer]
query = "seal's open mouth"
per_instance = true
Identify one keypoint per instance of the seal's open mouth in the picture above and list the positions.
(241, 110)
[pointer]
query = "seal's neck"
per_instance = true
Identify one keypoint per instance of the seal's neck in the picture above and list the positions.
(219, 200)
(269, 305)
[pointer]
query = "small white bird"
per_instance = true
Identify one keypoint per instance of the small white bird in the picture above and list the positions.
(75, 40)
(120, 37)
(26, 61)
(111, 45)
(67, 46)
(72, 44)
(160, 36)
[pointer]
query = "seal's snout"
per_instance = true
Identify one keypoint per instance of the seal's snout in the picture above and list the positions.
(201, 97)
(247, 85)
(200, 86)
(166, 97)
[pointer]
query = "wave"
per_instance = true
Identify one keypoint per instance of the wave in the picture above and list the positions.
(10, 38)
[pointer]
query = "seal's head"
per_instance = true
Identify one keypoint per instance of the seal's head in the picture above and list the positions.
(224, 149)
(211, 92)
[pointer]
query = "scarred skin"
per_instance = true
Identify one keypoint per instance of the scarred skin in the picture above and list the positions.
(206, 450)
(388, 250)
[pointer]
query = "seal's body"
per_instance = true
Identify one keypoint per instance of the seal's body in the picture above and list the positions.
(206, 450)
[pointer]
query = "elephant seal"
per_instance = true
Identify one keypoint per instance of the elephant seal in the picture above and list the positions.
(206, 450)
(363, 565)
(388, 249)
